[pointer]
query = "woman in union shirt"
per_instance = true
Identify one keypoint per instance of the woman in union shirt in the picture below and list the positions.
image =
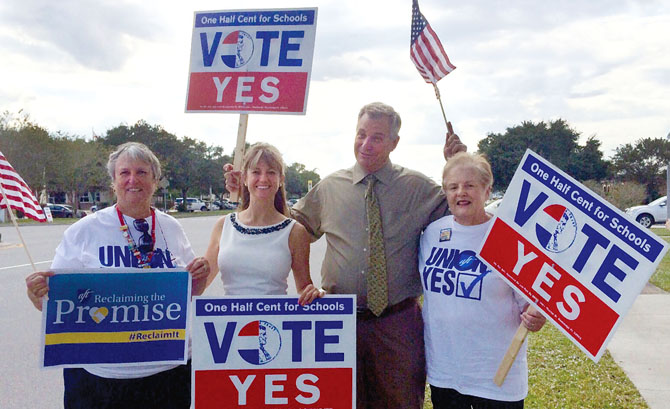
(470, 314)
(155, 239)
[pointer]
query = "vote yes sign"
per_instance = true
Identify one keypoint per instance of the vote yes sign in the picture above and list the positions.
(251, 61)
(271, 352)
(580, 260)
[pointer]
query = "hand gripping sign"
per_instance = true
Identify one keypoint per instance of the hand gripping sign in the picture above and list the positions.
(271, 352)
(251, 61)
(116, 316)
(579, 259)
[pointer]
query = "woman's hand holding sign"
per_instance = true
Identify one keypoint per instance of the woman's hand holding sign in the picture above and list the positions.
(532, 319)
(309, 294)
(37, 287)
(199, 270)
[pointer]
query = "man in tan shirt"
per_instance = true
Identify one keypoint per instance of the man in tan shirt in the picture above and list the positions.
(390, 349)
(390, 365)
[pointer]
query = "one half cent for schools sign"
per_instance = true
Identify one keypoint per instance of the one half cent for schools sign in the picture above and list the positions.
(579, 259)
(251, 61)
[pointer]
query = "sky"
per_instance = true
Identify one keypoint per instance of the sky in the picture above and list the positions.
(84, 67)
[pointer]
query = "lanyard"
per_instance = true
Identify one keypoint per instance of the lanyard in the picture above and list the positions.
(144, 262)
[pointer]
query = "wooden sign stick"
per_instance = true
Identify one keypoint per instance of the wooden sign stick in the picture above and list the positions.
(510, 355)
(239, 151)
(16, 225)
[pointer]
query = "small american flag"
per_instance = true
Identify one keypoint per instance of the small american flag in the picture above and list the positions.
(426, 51)
(19, 195)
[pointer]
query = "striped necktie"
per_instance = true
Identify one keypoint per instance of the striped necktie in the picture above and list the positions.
(377, 281)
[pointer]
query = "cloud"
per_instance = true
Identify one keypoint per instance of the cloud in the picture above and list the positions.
(600, 65)
(99, 35)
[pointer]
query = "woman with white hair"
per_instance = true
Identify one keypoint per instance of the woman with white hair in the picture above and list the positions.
(154, 240)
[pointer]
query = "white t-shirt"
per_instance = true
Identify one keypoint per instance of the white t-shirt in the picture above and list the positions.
(97, 241)
(254, 260)
(470, 314)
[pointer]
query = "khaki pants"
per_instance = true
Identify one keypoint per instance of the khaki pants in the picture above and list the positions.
(390, 361)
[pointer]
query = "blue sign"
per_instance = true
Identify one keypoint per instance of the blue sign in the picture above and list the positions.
(120, 316)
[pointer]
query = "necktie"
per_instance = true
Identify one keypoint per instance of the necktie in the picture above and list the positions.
(377, 281)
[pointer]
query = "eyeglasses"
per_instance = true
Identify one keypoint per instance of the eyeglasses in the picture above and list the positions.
(145, 243)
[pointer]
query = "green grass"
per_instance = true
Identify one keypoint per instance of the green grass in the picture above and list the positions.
(184, 215)
(661, 278)
(562, 376)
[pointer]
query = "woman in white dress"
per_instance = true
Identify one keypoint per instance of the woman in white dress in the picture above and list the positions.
(256, 247)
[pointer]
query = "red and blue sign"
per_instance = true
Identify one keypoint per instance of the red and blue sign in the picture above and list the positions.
(270, 351)
(116, 316)
(579, 259)
(251, 61)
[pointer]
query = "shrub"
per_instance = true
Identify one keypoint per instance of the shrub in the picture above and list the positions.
(620, 194)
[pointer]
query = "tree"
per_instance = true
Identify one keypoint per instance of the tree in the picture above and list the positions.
(188, 164)
(81, 166)
(588, 162)
(555, 141)
(29, 148)
(297, 177)
(644, 162)
(212, 170)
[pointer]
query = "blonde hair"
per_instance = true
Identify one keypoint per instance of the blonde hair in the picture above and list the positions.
(269, 154)
(474, 160)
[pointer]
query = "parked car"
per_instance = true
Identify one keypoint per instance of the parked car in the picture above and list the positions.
(58, 210)
(493, 206)
(291, 202)
(225, 204)
(654, 212)
(192, 204)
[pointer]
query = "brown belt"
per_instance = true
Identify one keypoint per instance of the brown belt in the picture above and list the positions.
(363, 313)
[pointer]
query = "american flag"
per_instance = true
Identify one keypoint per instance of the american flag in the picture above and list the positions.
(19, 195)
(426, 51)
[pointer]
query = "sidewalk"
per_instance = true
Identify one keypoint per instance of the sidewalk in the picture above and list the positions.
(641, 346)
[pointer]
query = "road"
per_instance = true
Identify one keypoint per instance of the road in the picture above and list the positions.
(24, 384)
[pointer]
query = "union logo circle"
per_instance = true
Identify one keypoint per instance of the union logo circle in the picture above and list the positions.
(266, 341)
(238, 49)
(560, 233)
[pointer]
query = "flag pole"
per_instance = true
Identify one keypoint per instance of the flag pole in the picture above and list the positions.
(437, 95)
(11, 215)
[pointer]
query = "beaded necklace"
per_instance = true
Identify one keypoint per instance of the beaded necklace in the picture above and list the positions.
(143, 261)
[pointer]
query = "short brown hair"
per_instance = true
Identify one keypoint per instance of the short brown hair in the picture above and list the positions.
(379, 109)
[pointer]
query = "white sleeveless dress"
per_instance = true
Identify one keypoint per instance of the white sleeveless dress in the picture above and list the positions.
(254, 260)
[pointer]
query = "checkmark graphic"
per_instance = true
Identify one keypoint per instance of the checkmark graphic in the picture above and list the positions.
(467, 283)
